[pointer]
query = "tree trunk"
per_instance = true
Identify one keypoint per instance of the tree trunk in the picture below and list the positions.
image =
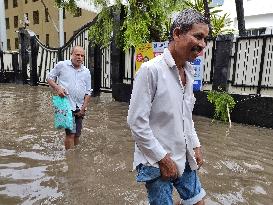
(207, 13)
(240, 17)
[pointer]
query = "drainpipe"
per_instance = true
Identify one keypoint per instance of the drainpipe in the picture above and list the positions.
(61, 27)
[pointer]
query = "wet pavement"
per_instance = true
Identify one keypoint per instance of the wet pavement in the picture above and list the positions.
(35, 168)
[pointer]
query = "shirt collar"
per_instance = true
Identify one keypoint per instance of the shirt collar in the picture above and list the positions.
(171, 63)
(169, 59)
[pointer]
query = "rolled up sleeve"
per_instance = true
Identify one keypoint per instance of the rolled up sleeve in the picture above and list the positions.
(88, 84)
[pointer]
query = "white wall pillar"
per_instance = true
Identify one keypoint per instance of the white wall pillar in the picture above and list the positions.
(61, 27)
(3, 30)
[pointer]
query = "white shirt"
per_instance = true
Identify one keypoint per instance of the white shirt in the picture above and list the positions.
(76, 82)
(160, 113)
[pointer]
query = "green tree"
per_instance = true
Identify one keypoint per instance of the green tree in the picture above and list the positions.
(223, 103)
(240, 17)
(220, 23)
(142, 20)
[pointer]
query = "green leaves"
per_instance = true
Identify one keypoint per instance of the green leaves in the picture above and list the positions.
(220, 101)
(220, 22)
(142, 20)
(101, 32)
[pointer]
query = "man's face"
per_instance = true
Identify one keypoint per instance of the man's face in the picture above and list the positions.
(77, 56)
(189, 45)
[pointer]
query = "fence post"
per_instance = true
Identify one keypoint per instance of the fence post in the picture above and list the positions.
(117, 54)
(60, 54)
(97, 70)
(91, 63)
(119, 90)
(23, 53)
(33, 62)
(15, 65)
(259, 88)
(222, 62)
(1, 66)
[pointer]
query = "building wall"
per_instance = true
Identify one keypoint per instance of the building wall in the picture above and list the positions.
(43, 28)
(258, 13)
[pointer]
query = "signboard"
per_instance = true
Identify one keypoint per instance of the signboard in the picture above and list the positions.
(148, 51)
(198, 76)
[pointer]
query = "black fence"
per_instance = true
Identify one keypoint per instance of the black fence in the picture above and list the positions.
(242, 67)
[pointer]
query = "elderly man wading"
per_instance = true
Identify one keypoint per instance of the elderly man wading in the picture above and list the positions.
(167, 149)
(74, 81)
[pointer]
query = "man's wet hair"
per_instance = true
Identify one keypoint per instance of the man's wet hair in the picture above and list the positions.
(185, 19)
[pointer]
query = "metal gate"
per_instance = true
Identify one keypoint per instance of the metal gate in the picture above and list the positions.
(106, 71)
(44, 58)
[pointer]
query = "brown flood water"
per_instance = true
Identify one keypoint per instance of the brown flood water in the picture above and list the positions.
(35, 168)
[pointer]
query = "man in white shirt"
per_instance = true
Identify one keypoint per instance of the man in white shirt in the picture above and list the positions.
(167, 150)
(74, 81)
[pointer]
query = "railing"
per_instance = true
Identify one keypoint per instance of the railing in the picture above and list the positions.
(6, 61)
(250, 71)
(9, 68)
(106, 81)
(208, 65)
(130, 65)
(48, 57)
(252, 66)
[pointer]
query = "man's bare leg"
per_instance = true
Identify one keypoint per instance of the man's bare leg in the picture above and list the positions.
(76, 140)
(69, 141)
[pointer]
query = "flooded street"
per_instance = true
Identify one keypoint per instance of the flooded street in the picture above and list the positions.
(35, 168)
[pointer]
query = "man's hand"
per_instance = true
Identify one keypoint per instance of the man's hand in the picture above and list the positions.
(198, 156)
(168, 168)
(61, 91)
(81, 113)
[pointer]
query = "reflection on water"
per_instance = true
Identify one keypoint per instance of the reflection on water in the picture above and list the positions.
(35, 168)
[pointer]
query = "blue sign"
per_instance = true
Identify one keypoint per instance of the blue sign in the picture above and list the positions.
(198, 76)
(216, 3)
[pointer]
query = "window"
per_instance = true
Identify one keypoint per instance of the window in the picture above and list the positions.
(7, 23)
(64, 37)
(47, 39)
(15, 21)
(46, 15)
(8, 44)
(6, 2)
(255, 31)
(35, 0)
(26, 21)
(25, 1)
(16, 43)
(78, 12)
(35, 17)
(15, 3)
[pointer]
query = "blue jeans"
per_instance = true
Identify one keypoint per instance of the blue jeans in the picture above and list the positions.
(160, 192)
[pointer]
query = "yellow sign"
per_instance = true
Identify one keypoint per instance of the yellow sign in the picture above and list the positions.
(148, 51)
(143, 54)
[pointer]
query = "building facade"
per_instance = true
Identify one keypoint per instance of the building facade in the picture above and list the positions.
(258, 15)
(41, 17)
